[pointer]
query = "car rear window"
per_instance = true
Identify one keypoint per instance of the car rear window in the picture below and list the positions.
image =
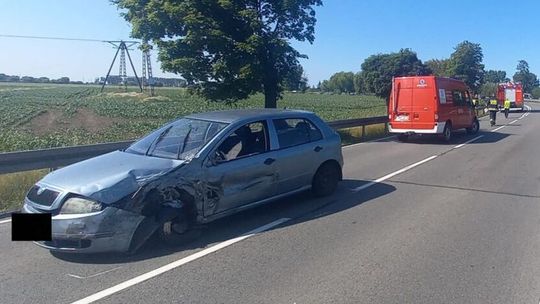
(295, 131)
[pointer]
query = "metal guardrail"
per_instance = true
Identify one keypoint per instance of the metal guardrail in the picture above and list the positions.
(55, 157)
(11, 162)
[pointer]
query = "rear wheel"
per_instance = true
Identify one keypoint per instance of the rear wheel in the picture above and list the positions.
(474, 127)
(325, 180)
(447, 132)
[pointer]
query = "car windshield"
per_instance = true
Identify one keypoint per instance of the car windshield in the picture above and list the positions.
(181, 139)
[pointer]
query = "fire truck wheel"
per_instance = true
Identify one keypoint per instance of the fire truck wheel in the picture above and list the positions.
(447, 132)
(474, 127)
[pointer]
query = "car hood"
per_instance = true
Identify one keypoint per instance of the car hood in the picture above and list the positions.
(109, 177)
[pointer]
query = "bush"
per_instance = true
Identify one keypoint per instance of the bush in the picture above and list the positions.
(536, 93)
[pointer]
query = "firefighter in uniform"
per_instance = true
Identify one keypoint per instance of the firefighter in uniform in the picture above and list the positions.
(493, 108)
(506, 107)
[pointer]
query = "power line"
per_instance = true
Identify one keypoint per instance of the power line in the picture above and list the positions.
(60, 38)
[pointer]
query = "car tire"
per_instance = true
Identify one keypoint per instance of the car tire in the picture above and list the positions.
(177, 231)
(403, 137)
(447, 132)
(325, 180)
(474, 128)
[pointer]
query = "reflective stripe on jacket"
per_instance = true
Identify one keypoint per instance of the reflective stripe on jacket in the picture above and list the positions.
(493, 105)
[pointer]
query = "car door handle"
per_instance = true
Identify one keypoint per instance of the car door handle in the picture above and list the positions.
(317, 148)
(269, 161)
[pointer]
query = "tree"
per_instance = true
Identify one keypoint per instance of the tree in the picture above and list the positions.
(536, 93)
(227, 49)
(466, 64)
(358, 83)
(378, 70)
(523, 75)
(341, 82)
(296, 80)
(495, 76)
(28, 79)
(439, 67)
(488, 89)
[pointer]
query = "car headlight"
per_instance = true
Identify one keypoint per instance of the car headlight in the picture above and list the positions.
(78, 205)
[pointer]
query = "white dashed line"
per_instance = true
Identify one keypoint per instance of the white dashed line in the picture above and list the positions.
(497, 129)
(5, 221)
(146, 276)
(468, 142)
(388, 176)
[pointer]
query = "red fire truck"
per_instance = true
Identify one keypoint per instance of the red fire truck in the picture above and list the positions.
(512, 91)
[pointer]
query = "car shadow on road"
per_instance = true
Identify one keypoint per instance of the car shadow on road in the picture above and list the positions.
(300, 208)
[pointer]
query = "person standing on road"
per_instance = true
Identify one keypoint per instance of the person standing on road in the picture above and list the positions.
(506, 107)
(493, 107)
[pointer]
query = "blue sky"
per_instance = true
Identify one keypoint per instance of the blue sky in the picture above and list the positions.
(347, 32)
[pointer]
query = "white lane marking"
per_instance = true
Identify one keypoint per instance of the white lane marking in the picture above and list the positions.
(369, 141)
(381, 179)
(498, 128)
(513, 121)
(136, 280)
(468, 141)
(5, 221)
(94, 275)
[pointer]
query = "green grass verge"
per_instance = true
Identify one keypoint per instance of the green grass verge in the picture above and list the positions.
(13, 188)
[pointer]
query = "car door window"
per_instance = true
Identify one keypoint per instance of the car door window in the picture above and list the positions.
(458, 98)
(248, 140)
(295, 131)
(467, 98)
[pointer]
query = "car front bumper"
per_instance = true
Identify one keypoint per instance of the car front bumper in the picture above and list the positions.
(109, 230)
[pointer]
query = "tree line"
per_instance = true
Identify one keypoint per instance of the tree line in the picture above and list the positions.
(228, 50)
(465, 63)
(30, 79)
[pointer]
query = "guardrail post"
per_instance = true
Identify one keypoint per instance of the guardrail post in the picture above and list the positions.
(386, 128)
(363, 131)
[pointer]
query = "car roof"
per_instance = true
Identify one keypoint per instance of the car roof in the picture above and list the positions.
(231, 116)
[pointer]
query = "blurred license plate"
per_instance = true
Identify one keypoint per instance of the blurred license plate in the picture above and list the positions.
(402, 118)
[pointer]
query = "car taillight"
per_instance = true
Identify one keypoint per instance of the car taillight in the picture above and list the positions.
(436, 116)
(389, 116)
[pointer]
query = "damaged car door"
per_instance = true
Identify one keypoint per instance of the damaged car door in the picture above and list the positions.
(243, 167)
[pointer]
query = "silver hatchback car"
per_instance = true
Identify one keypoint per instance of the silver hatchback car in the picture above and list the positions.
(194, 170)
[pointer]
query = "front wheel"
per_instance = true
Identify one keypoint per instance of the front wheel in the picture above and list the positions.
(325, 180)
(177, 231)
(474, 127)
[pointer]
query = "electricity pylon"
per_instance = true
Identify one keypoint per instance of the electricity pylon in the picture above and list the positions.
(122, 47)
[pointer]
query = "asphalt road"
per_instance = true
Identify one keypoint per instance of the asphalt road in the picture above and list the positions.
(461, 225)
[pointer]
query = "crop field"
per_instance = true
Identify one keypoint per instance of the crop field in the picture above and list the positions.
(34, 116)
